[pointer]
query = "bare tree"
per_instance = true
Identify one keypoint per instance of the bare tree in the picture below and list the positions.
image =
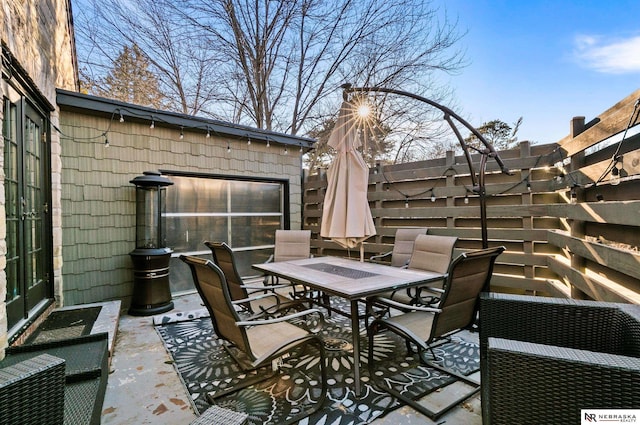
(288, 57)
(278, 64)
(184, 65)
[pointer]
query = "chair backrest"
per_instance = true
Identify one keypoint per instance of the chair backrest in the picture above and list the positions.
(224, 259)
(403, 245)
(432, 253)
(467, 275)
(292, 245)
(212, 286)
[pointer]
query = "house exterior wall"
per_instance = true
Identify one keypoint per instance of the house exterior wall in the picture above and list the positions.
(98, 200)
(39, 36)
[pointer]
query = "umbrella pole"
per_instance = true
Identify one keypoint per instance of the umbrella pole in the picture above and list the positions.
(362, 252)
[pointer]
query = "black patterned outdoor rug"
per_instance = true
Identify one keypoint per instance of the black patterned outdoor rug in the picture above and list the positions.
(205, 366)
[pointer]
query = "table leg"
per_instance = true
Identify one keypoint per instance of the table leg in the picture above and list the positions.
(355, 332)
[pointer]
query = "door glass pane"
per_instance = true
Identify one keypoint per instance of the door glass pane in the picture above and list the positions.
(190, 195)
(253, 230)
(255, 197)
(188, 233)
(34, 204)
(12, 197)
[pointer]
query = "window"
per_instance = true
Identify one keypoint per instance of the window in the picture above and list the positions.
(244, 213)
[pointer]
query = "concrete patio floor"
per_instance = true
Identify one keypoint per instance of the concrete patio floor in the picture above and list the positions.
(144, 387)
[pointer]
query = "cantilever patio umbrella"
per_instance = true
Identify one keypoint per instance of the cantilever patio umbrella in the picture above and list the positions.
(346, 217)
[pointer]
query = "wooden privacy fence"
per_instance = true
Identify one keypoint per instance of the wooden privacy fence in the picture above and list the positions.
(571, 226)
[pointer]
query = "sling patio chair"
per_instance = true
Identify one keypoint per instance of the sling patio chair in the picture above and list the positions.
(289, 245)
(254, 299)
(403, 244)
(262, 341)
(294, 245)
(430, 253)
(425, 326)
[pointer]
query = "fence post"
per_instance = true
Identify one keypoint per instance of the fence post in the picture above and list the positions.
(527, 199)
(450, 161)
(378, 203)
(576, 196)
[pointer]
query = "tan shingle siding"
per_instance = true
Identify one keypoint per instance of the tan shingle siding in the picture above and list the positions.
(98, 202)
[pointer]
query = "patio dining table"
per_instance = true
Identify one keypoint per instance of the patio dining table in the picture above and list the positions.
(349, 279)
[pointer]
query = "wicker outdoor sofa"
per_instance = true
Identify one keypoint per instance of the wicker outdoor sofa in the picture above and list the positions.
(55, 382)
(545, 359)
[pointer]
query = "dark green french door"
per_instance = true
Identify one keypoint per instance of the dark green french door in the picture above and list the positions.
(27, 188)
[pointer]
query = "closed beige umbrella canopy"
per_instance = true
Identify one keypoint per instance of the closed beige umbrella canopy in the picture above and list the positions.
(346, 217)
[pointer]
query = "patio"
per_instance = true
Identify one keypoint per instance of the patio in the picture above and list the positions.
(144, 386)
(567, 211)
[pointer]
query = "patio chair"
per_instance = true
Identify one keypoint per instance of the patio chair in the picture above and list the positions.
(425, 326)
(262, 342)
(254, 299)
(294, 245)
(572, 354)
(430, 253)
(402, 247)
(289, 245)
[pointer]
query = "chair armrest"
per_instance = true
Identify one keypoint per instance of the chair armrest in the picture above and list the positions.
(406, 307)
(260, 288)
(431, 289)
(281, 318)
(586, 325)
(380, 257)
(257, 297)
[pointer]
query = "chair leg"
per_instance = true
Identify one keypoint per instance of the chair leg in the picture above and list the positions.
(371, 312)
(245, 384)
(433, 415)
(323, 389)
(326, 300)
(313, 340)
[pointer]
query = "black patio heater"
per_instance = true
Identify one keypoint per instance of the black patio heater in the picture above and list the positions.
(151, 291)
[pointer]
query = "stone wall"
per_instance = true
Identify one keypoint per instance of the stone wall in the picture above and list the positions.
(3, 251)
(39, 37)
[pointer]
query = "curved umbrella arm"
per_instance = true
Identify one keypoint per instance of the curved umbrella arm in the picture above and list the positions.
(448, 112)
(488, 151)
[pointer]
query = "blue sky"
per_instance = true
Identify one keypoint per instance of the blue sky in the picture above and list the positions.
(545, 61)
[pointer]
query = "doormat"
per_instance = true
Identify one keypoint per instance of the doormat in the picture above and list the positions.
(205, 366)
(64, 324)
